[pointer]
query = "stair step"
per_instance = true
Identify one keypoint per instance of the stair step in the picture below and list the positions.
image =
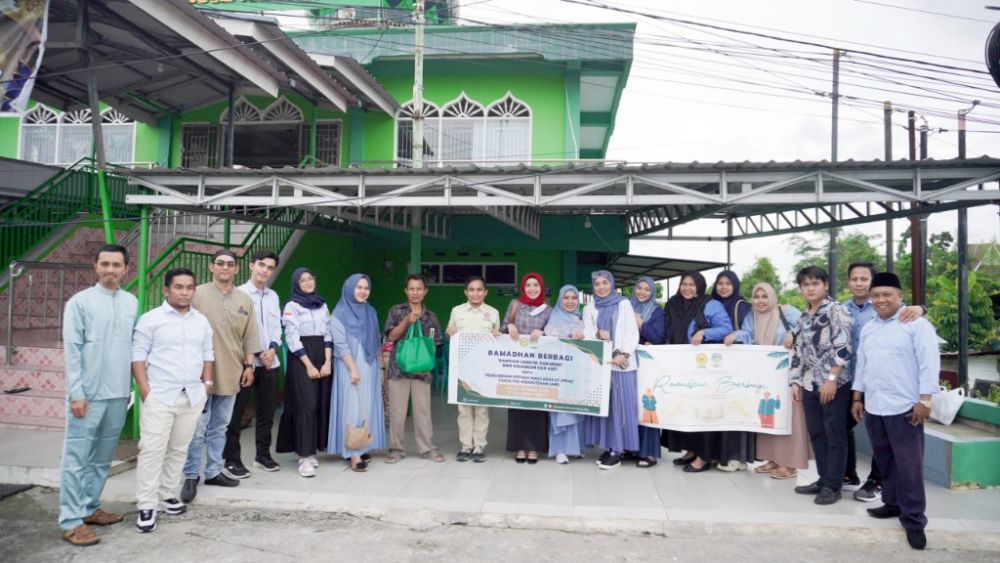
(45, 409)
(37, 356)
(33, 377)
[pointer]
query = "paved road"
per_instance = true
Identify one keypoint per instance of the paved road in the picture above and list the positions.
(28, 532)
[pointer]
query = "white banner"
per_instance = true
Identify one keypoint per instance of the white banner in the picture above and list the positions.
(552, 374)
(714, 387)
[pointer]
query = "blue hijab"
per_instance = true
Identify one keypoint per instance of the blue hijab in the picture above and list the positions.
(562, 323)
(644, 308)
(736, 313)
(358, 319)
(307, 300)
(607, 307)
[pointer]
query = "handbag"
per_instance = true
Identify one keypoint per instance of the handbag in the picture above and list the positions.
(358, 437)
(945, 404)
(415, 352)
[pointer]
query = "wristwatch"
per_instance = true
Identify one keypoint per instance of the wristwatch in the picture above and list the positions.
(247, 366)
(925, 402)
(831, 377)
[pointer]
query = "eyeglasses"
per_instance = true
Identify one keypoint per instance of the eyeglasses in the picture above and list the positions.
(225, 265)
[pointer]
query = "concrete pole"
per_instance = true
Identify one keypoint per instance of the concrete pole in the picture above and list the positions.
(963, 268)
(890, 257)
(916, 239)
(415, 241)
(97, 131)
(833, 158)
(417, 153)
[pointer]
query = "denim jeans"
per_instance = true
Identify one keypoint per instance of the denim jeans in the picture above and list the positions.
(211, 436)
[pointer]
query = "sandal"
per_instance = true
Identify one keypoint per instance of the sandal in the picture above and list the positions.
(366, 457)
(768, 467)
(393, 457)
(532, 458)
(434, 456)
(520, 456)
(783, 473)
(359, 467)
(648, 461)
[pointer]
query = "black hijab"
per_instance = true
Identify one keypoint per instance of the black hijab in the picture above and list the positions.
(680, 312)
(736, 307)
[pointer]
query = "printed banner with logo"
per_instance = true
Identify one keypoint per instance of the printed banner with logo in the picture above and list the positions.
(714, 387)
(23, 27)
(552, 374)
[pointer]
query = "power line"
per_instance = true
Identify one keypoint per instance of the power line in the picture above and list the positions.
(928, 12)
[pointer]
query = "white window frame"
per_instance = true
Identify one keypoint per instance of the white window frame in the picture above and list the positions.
(482, 272)
(73, 119)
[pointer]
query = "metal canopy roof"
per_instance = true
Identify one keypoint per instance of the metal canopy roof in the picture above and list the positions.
(155, 57)
(769, 197)
(628, 267)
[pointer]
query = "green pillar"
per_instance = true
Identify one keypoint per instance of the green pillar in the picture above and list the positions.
(142, 289)
(102, 189)
(226, 227)
(415, 242)
(356, 122)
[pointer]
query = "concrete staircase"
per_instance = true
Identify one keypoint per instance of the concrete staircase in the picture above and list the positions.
(43, 405)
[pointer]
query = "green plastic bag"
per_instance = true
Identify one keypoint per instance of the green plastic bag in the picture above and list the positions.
(415, 352)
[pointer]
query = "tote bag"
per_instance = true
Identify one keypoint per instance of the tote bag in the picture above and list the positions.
(415, 352)
(945, 404)
(358, 437)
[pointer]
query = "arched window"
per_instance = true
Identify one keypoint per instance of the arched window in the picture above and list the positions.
(404, 133)
(508, 130)
(462, 127)
(282, 111)
(49, 137)
(243, 112)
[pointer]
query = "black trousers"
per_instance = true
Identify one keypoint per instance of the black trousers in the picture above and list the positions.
(827, 426)
(305, 418)
(265, 385)
(899, 449)
(852, 453)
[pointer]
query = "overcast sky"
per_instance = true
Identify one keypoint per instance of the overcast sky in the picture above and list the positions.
(661, 120)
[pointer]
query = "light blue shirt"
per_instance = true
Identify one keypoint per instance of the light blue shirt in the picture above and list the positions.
(862, 314)
(268, 314)
(97, 341)
(719, 323)
(897, 362)
(300, 321)
(745, 334)
(175, 348)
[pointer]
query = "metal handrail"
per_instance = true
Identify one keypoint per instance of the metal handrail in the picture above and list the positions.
(17, 269)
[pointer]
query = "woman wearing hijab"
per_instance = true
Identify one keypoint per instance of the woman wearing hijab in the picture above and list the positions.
(692, 318)
(649, 317)
(565, 429)
(527, 431)
(772, 325)
(612, 319)
(357, 376)
(303, 426)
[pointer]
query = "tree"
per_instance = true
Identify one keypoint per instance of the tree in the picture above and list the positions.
(814, 250)
(762, 271)
(942, 291)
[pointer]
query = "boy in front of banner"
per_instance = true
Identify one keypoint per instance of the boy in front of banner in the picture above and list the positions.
(473, 316)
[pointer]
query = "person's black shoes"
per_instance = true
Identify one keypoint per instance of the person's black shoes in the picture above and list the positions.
(916, 538)
(221, 480)
(884, 511)
(810, 489)
(827, 496)
(235, 470)
(189, 490)
(266, 463)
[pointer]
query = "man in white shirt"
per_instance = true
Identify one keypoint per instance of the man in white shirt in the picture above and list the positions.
(267, 313)
(172, 361)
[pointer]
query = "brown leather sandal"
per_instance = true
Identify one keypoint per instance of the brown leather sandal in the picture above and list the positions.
(81, 536)
(101, 517)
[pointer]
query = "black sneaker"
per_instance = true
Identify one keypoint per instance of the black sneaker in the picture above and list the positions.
(851, 484)
(190, 489)
(604, 457)
(612, 461)
(464, 454)
(916, 538)
(869, 492)
(235, 470)
(478, 455)
(827, 496)
(266, 463)
(884, 511)
(810, 489)
(146, 522)
(221, 480)
(173, 507)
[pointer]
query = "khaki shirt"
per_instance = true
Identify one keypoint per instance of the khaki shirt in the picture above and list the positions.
(465, 317)
(234, 329)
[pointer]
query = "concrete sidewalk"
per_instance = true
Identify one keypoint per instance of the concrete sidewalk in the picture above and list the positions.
(661, 500)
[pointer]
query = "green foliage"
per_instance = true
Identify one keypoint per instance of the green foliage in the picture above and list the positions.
(763, 270)
(942, 293)
(627, 292)
(993, 396)
(794, 298)
(814, 250)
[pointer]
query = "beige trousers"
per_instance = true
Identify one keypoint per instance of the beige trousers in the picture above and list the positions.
(473, 422)
(166, 434)
(400, 390)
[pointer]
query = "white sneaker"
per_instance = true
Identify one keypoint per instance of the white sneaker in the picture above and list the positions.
(731, 467)
(562, 459)
(313, 461)
(306, 468)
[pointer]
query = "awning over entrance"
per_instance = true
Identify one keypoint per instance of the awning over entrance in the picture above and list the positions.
(157, 57)
(628, 267)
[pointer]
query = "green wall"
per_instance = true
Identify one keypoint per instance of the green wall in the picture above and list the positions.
(9, 130)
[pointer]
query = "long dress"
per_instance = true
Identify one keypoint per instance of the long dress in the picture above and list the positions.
(653, 332)
(619, 431)
(565, 429)
(344, 402)
(792, 450)
(527, 430)
(306, 409)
